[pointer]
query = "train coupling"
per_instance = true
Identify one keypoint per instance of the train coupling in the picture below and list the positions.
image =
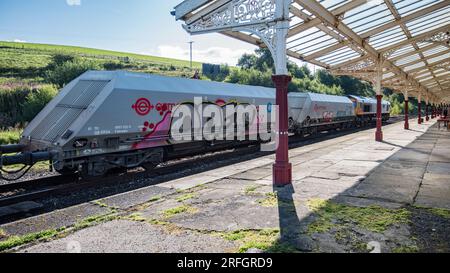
(15, 154)
(12, 148)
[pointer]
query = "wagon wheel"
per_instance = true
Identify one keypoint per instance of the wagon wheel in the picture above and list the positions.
(291, 123)
(150, 166)
(67, 171)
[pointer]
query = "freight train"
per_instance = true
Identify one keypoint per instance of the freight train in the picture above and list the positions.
(106, 120)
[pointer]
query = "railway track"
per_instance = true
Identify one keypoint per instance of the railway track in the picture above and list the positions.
(54, 186)
(58, 185)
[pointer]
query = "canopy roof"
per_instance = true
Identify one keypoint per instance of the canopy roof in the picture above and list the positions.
(349, 37)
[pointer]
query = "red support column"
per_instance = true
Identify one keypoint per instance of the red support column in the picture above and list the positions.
(406, 115)
(420, 113)
(379, 132)
(426, 113)
(282, 169)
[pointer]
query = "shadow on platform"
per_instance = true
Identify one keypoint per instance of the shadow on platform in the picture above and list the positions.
(391, 210)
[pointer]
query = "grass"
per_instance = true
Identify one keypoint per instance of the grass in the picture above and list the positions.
(266, 240)
(16, 241)
(94, 220)
(186, 197)
(444, 213)
(167, 226)
(40, 52)
(269, 201)
(406, 249)
(178, 210)
(2, 233)
(100, 204)
(250, 190)
(10, 136)
(155, 198)
(248, 239)
(332, 215)
(137, 217)
(38, 167)
(158, 222)
(18, 59)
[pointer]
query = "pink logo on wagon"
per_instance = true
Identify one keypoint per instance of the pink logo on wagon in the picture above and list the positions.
(143, 106)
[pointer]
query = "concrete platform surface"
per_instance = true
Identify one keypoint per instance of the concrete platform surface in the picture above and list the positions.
(349, 194)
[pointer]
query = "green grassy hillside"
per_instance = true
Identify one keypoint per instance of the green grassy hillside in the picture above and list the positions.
(38, 54)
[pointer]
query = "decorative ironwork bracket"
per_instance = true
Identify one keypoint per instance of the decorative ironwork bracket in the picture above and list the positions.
(267, 19)
(364, 69)
(444, 66)
(442, 38)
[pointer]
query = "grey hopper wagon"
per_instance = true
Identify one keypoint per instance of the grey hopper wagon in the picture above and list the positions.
(312, 110)
(107, 119)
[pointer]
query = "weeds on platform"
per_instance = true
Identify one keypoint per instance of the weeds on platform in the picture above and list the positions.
(178, 210)
(100, 204)
(94, 220)
(148, 203)
(155, 198)
(444, 213)
(250, 190)
(186, 197)
(137, 217)
(167, 226)
(273, 200)
(266, 240)
(406, 249)
(16, 241)
(374, 218)
(2, 233)
(270, 201)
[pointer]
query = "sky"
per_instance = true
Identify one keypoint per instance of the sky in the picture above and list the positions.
(136, 26)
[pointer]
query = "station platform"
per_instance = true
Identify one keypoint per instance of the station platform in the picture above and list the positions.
(349, 194)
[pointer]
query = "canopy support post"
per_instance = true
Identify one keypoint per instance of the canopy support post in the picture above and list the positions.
(405, 94)
(378, 78)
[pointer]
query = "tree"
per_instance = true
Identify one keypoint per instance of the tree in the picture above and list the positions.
(257, 68)
(326, 78)
(299, 72)
(262, 60)
(247, 61)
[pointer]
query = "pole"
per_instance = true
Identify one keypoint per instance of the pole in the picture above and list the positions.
(190, 46)
(406, 110)
(379, 76)
(406, 115)
(282, 169)
(420, 110)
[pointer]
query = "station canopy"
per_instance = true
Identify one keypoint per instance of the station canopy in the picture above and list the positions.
(411, 37)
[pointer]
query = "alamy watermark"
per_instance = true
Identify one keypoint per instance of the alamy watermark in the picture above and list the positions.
(211, 122)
